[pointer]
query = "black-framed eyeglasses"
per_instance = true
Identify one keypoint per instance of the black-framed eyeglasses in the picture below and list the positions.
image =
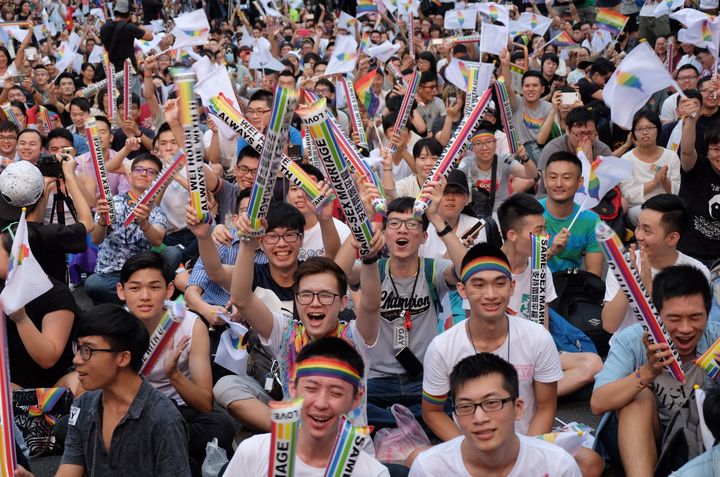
(324, 297)
(145, 170)
(289, 237)
(410, 224)
(86, 352)
(490, 405)
(246, 170)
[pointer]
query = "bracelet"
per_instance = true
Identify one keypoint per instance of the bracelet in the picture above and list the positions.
(523, 161)
(371, 260)
(445, 231)
(640, 382)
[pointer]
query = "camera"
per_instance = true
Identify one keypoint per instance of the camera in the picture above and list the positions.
(50, 166)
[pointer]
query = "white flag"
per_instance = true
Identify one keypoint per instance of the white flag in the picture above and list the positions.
(665, 7)
(346, 22)
(703, 34)
(600, 40)
(145, 45)
(689, 16)
(638, 77)
(231, 354)
(17, 33)
(262, 58)
(599, 177)
(26, 280)
(214, 81)
(493, 38)
(98, 13)
(461, 19)
(191, 29)
(65, 56)
(383, 51)
(494, 12)
(344, 55)
(535, 23)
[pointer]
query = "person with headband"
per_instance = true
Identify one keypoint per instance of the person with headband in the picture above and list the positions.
(328, 377)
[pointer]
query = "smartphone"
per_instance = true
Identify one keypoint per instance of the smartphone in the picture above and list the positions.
(295, 152)
(409, 361)
(569, 98)
(452, 100)
(31, 53)
(474, 230)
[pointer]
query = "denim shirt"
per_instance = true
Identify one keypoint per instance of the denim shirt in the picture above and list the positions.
(151, 439)
(707, 463)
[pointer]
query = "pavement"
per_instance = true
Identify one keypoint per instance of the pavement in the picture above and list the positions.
(568, 411)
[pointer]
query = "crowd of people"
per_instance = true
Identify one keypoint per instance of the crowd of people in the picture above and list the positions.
(438, 319)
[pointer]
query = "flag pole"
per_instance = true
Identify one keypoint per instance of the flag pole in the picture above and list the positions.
(582, 207)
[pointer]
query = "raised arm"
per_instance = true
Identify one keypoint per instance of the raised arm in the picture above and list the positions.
(456, 250)
(505, 70)
(214, 268)
(149, 86)
(688, 154)
(368, 309)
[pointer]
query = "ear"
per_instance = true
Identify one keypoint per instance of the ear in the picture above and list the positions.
(672, 239)
(462, 291)
(519, 409)
(512, 235)
(120, 291)
(358, 398)
(123, 359)
(425, 236)
(170, 290)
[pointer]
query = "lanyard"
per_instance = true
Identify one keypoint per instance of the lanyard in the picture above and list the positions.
(405, 312)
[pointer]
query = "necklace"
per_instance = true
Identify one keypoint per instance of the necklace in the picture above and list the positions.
(472, 341)
(406, 311)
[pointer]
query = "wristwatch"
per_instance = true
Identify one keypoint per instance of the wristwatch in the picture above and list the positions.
(445, 231)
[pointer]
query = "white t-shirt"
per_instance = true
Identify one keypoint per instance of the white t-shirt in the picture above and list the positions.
(434, 247)
(252, 457)
(520, 300)
(668, 113)
(407, 187)
(228, 148)
(612, 287)
(173, 203)
(312, 240)
(537, 458)
(529, 347)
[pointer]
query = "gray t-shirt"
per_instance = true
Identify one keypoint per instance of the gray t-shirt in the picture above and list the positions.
(423, 316)
(481, 179)
(528, 122)
(430, 111)
(151, 439)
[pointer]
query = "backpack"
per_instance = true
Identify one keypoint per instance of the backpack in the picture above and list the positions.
(579, 300)
(429, 267)
(610, 210)
(682, 439)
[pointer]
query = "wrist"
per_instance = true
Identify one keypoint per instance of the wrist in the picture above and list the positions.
(144, 225)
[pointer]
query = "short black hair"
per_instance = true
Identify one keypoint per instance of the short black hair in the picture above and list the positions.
(147, 157)
(549, 57)
(402, 205)
(164, 127)
(674, 214)
(81, 103)
(514, 210)
(248, 151)
(711, 410)
(564, 156)
(712, 133)
(333, 348)
(281, 214)
(429, 143)
(648, 115)
(679, 281)
(703, 80)
(33, 131)
(143, 261)
(688, 66)
(103, 119)
(262, 95)
(388, 121)
(60, 132)
(480, 365)
(243, 194)
(579, 116)
(122, 330)
(63, 76)
(427, 77)
(325, 82)
(532, 74)
(9, 126)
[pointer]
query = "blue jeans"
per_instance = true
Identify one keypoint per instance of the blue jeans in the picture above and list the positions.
(386, 391)
(102, 287)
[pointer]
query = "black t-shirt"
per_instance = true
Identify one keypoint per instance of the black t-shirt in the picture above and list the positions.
(24, 371)
(119, 138)
(703, 123)
(121, 35)
(55, 241)
(700, 189)
(587, 89)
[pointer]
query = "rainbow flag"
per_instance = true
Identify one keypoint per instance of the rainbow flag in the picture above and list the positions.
(365, 7)
(563, 39)
(364, 42)
(707, 361)
(610, 20)
(363, 88)
(194, 33)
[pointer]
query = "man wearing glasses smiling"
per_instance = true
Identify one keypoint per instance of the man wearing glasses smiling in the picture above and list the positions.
(8, 143)
(484, 389)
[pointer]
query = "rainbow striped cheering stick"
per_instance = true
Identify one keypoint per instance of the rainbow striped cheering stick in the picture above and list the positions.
(223, 109)
(284, 104)
(93, 89)
(160, 182)
(285, 417)
(112, 105)
(163, 334)
(637, 296)
(506, 115)
(354, 111)
(456, 39)
(357, 162)
(454, 149)
(317, 120)
(8, 458)
(127, 78)
(10, 115)
(472, 88)
(396, 73)
(190, 121)
(346, 450)
(538, 278)
(98, 159)
(709, 362)
(405, 108)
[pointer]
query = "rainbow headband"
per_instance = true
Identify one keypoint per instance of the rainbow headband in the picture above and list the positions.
(482, 135)
(330, 368)
(482, 264)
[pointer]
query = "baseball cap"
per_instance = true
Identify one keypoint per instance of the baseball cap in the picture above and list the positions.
(21, 185)
(458, 179)
(122, 6)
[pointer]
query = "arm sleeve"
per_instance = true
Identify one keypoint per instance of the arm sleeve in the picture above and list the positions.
(136, 31)
(592, 243)
(674, 174)
(158, 217)
(171, 448)
(198, 276)
(667, 113)
(74, 452)
(436, 378)
(547, 359)
(623, 358)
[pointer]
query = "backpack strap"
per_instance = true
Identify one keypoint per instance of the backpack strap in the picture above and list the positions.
(430, 265)
(382, 264)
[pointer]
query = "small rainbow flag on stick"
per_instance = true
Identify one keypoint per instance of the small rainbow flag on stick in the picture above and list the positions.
(563, 39)
(610, 20)
(708, 362)
(363, 88)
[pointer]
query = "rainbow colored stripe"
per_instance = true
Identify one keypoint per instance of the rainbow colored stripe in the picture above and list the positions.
(506, 115)
(366, 6)
(453, 149)
(705, 32)
(405, 108)
(610, 20)
(47, 398)
(194, 33)
(708, 362)
(160, 339)
(435, 400)
(347, 445)
(563, 39)
(285, 417)
(363, 88)
(8, 458)
(531, 122)
(538, 278)
(10, 114)
(593, 181)
(329, 368)
(638, 298)
(98, 159)
(484, 264)
(165, 176)
(628, 79)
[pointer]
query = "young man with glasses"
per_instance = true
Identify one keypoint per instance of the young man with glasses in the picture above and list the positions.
(687, 78)
(258, 113)
(486, 406)
(708, 114)
(8, 143)
(121, 425)
(581, 133)
(117, 243)
(430, 105)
